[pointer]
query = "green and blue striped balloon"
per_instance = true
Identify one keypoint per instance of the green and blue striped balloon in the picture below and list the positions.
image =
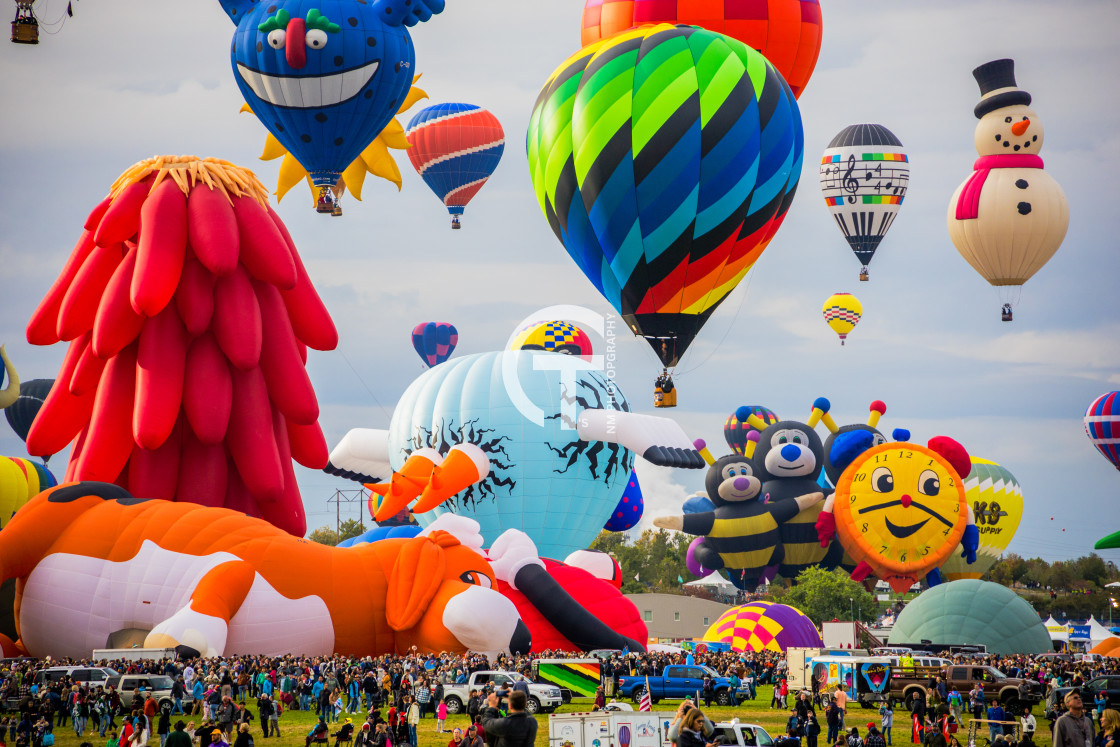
(665, 158)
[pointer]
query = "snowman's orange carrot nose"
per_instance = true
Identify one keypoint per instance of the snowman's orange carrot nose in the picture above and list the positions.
(295, 50)
(1020, 127)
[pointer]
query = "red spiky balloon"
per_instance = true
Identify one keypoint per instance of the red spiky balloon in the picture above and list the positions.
(189, 314)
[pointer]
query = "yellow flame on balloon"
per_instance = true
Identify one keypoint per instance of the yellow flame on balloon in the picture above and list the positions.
(376, 159)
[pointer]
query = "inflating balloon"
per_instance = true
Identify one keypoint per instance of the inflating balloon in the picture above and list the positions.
(786, 32)
(434, 341)
(664, 159)
(1102, 426)
(225, 584)
(1008, 218)
(455, 148)
(376, 159)
(21, 413)
(554, 336)
(764, 626)
(188, 312)
(864, 177)
(996, 500)
(11, 392)
(325, 77)
(737, 432)
(900, 509)
(20, 481)
(628, 512)
(842, 312)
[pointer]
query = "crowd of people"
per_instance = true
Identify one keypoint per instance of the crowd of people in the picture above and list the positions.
(214, 702)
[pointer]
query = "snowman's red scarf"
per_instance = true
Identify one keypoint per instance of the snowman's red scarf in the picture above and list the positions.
(968, 204)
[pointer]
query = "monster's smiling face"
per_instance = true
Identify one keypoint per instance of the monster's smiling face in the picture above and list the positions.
(324, 76)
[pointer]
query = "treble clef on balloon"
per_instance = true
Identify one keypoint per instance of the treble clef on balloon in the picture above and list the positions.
(851, 183)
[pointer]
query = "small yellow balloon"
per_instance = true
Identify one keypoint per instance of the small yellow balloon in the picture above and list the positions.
(842, 311)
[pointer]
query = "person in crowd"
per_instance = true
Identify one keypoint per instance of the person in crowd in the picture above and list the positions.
(854, 738)
(886, 720)
(318, 733)
(995, 716)
(874, 737)
(692, 731)
(244, 739)
(1073, 728)
(1109, 735)
(345, 733)
(518, 729)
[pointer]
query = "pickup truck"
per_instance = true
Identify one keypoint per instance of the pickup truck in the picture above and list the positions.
(542, 698)
(676, 682)
(1010, 692)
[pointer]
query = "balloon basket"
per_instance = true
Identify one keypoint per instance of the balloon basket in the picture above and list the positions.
(25, 28)
(336, 211)
(864, 277)
(325, 203)
(455, 224)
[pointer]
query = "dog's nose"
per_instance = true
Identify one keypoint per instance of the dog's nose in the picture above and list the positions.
(522, 639)
(791, 452)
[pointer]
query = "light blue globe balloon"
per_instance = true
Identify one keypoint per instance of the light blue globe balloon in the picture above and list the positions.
(520, 407)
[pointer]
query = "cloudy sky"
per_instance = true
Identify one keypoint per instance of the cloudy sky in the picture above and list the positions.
(122, 81)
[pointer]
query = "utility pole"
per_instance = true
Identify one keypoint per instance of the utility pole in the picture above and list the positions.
(359, 496)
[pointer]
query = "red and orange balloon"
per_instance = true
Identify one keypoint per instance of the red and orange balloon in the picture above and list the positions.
(786, 32)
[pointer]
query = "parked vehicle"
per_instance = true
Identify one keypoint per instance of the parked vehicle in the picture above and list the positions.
(78, 675)
(134, 654)
(798, 665)
(1109, 683)
(1011, 692)
(864, 679)
(574, 677)
(610, 729)
(677, 682)
(742, 735)
(128, 686)
(542, 698)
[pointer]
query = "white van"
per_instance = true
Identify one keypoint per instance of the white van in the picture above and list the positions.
(78, 675)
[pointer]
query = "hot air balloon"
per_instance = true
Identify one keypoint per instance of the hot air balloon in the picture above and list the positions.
(22, 412)
(554, 336)
(864, 176)
(664, 159)
(737, 432)
(786, 32)
(842, 311)
(326, 77)
(1009, 217)
(455, 148)
(1102, 426)
(996, 500)
(434, 341)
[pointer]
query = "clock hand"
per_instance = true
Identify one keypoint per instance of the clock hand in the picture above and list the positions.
(888, 504)
(934, 514)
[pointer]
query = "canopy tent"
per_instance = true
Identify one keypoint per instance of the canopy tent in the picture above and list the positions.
(714, 580)
(1057, 631)
(1097, 632)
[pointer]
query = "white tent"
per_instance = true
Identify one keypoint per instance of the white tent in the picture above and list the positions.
(1057, 631)
(714, 580)
(1097, 632)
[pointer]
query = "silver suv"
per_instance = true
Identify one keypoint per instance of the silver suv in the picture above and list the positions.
(159, 685)
(78, 675)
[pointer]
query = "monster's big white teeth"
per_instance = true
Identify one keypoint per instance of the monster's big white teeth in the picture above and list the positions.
(308, 92)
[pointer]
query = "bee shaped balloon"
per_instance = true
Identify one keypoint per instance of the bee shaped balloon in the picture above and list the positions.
(900, 509)
(325, 76)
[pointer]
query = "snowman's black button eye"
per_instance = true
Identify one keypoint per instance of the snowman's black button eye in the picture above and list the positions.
(1007, 120)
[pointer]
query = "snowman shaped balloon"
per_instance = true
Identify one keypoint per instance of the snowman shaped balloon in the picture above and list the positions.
(1009, 216)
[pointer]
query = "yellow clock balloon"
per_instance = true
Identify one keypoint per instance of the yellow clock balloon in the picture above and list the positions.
(901, 509)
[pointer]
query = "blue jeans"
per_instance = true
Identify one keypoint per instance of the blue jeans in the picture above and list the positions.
(304, 702)
(887, 734)
(833, 732)
(178, 707)
(993, 731)
(412, 734)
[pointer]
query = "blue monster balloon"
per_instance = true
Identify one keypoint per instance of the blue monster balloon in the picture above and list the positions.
(520, 408)
(325, 76)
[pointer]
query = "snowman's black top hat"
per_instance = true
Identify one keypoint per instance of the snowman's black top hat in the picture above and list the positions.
(997, 87)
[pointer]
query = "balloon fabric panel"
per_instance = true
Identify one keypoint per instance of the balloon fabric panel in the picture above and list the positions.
(676, 136)
(455, 149)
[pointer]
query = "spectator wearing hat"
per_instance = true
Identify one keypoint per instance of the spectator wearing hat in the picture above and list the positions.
(874, 738)
(344, 734)
(217, 739)
(179, 737)
(364, 737)
(318, 733)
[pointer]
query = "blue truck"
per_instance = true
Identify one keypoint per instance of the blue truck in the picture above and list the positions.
(677, 683)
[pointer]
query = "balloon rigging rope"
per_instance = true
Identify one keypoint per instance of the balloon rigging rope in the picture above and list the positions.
(366, 386)
(59, 22)
(726, 332)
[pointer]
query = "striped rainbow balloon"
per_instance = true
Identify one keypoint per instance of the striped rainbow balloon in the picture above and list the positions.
(455, 148)
(664, 159)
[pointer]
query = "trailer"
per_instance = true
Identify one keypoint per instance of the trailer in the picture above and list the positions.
(799, 664)
(134, 654)
(610, 729)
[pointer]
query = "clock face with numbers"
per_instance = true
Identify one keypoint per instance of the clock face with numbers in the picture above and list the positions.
(901, 508)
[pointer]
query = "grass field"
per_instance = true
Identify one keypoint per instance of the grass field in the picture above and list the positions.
(294, 725)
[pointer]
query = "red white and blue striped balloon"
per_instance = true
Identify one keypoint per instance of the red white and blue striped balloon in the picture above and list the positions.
(1102, 425)
(455, 148)
(434, 341)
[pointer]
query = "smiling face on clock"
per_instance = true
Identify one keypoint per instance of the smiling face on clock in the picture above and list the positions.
(904, 504)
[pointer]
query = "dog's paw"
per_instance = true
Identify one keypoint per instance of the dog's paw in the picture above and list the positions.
(462, 528)
(511, 552)
(204, 633)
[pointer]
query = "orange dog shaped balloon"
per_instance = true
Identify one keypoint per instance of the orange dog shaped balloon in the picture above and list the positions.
(93, 563)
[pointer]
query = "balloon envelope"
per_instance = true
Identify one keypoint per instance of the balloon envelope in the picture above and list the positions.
(455, 148)
(434, 342)
(764, 626)
(1102, 426)
(543, 479)
(786, 32)
(664, 159)
(997, 502)
(842, 312)
(864, 177)
(554, 336)
(628, 512)
(22, 412)
(737, 433)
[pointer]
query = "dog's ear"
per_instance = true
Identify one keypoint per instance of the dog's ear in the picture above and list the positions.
(417, 575)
